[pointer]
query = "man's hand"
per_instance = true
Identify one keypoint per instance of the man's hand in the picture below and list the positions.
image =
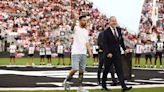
(75, 14)
(109, 55)
(128, 51)
(90, 54)
(89, 49)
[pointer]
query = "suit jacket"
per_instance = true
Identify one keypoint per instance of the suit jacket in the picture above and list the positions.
(111, 44)
(100, 42)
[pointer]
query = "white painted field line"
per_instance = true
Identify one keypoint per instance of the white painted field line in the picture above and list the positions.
(75, 88)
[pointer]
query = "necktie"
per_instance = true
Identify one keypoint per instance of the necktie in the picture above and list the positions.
(115, 34)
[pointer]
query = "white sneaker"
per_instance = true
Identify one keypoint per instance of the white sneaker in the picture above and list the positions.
(161, 66)
(49, 64)
(33, 64)
(151, 66)
(155, 66)
(66, 85)
(82, 90)
(146, 66)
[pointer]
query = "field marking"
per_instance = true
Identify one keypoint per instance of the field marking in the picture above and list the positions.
(158, 69)
(149, 81)
(75, 88)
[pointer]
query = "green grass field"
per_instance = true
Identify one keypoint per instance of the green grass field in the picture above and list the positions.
(22, 61)
(113, 90)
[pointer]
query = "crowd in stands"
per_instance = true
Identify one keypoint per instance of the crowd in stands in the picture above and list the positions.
(51, 20)
(22, 20)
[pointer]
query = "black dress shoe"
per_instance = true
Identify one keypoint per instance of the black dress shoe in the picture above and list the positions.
(125, 89)
(106, 89)
(113, 84)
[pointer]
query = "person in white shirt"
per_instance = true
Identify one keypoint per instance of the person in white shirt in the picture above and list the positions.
(79, 51)
(138, 52)
(12, 50)
(60, 52)
(31, 50)
(42, 52)
(49, 53)
(95, 54)
(159, 50)
(148, 48)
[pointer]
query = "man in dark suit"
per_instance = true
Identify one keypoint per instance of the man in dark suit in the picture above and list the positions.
(112, 42)
(101, 62)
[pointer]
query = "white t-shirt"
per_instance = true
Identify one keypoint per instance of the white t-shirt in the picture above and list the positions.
(31, 49)
(95, 47)
(81, 37)
(148, 48)
(48, 51)
(60, 49)
(139, 49)
(13, 48)
(159, 46)
(42, 51)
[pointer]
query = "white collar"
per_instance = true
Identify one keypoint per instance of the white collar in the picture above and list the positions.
(112, 28)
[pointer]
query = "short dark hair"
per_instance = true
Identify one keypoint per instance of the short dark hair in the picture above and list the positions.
(82, 16)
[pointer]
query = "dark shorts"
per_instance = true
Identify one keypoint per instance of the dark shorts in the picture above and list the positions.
(12, 55)
(158, 54)
(30, 55)
(42, 56)
(148, 56)
(137, 55)
(61, 55)
(95, 55)
(48, 56)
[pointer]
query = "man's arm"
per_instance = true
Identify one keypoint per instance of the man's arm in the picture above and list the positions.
(89, 49)
(76, 16)
(122, 40)
(106, 46)
(73, 25)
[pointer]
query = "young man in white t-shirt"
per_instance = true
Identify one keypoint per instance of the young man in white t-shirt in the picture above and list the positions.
(159, 51)
(148, 48)
(138, 52)
(31, 50)
(49, 53)
(79, 51)
(95, 54)
(42, 52)
(60, 52)
(12, 50)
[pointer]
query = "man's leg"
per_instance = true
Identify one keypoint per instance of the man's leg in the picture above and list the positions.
(119, 70)
(70, 75)
(82, 66)
(63, 60)
(32, 60)
(58, 60)
(28, 60)
(10, 60)
(75, 67)
(155, 61)
(14, 60)
(107, 66)
(160, 59)
(146, 58)
(112, 71)
(100, 67)
(81, 73)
